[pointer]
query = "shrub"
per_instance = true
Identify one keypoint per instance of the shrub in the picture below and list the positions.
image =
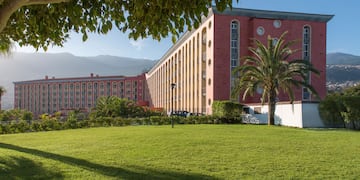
(330, 110)
(336, 109)
(4, 129)
(351, 114)
(35, 126)
(19, 127)
(226, 109)
(50, 124)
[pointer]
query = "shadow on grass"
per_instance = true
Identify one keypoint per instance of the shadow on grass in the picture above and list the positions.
(23, 168)
(132, 172)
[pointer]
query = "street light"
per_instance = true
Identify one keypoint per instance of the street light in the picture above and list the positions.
(173, 85)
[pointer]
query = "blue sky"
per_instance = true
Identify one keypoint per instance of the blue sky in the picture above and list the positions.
(342, 31)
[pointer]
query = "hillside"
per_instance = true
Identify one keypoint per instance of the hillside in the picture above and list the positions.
(342, 59)
(342, 70)
(29, 66)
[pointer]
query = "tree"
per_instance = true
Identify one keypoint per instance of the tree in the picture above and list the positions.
(352, 91)
(107, 106)
(269, 69)
(41, 23)
(2, 92)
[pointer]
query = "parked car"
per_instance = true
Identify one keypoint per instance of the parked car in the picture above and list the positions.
(180, 113)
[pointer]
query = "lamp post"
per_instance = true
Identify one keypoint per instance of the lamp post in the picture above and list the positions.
(173, 85)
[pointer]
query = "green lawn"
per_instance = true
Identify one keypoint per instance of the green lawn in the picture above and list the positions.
(185, 152)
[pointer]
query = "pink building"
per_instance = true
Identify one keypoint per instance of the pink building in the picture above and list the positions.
(50, 95)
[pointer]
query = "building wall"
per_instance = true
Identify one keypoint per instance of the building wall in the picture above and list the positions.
(248, 27)
(299, 114)
(185, 66)
(63, 94)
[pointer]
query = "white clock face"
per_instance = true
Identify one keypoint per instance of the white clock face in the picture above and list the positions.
(277, 23)
(260, 31)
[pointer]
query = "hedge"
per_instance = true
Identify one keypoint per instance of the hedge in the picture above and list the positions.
(50, 124)
(227, 109)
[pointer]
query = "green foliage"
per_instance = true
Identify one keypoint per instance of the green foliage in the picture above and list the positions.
(49, 22)
(352, 91)
(15, 114)
(35, 126)
(336, 109)
(27, 115)
(19, 127)
(226, 109)
(50, 124)
(71, 121)
(351, 114)
(330, 110)
(113, 106)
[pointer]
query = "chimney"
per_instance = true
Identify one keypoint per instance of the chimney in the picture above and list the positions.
(46, 77)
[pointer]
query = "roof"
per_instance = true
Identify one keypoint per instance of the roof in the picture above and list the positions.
(77, 79)
(265, 14)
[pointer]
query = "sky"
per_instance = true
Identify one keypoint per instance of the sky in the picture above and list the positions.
(342, 31)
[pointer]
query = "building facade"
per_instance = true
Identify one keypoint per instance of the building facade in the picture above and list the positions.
(197, 70)
(51, 95)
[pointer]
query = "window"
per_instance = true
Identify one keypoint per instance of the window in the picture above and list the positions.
(274, 42)
(260, 31)
(306, 54)
(257, 110)
(234, 48)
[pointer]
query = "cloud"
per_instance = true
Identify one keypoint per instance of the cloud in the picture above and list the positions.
(138, 44)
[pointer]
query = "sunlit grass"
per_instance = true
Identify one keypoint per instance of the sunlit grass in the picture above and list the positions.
(185, 152)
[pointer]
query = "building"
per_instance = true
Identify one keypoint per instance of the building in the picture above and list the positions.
(50, 95)
(196, 70)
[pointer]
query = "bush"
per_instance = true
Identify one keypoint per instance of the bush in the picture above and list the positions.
(50, 124)
(227, 109)
(19, 127)
(336, 109)
(330, 110)
(351, 114)
(35, 126)
(4, 129)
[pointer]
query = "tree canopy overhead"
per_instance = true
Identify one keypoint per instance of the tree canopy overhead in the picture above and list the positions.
(43, 23)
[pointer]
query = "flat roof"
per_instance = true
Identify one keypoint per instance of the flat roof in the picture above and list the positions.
(76, 79)
(266, 14)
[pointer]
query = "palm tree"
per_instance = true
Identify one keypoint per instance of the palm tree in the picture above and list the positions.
(2, 92)
(270, 70)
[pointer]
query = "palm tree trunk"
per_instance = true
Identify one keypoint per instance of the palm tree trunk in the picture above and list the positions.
(271, 108)
(0, 102)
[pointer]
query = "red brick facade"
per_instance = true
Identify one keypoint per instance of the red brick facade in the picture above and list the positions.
(50, 95)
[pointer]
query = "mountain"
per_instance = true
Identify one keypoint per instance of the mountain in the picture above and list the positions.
(342, 70)
(30, 66)
(342, 59)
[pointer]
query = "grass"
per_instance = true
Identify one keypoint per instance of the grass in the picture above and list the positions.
(185, 152)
